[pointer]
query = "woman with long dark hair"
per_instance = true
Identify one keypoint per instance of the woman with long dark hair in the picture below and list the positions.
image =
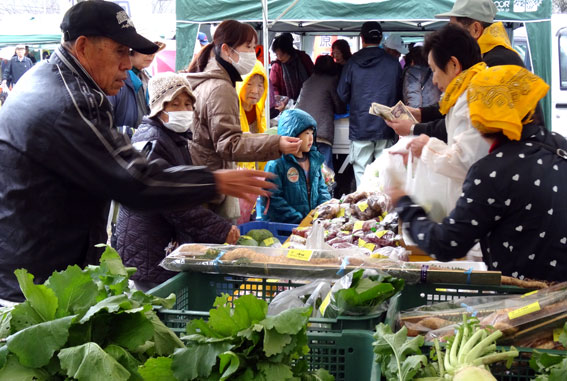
(217, 140)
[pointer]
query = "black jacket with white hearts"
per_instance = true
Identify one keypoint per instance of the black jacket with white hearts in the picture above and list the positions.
(514, 202)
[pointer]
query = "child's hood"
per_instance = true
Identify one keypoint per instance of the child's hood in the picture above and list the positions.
(294, 122)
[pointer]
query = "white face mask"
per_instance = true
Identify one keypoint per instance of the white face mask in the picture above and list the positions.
(246, 62)
(179, 121)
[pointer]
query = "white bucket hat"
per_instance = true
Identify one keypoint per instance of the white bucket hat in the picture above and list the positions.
(395, 42)
(164, 87)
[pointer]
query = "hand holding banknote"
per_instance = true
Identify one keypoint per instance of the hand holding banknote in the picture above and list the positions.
(399, 111)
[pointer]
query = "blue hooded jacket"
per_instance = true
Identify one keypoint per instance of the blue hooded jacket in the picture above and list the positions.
(370, 75)
(289, 202)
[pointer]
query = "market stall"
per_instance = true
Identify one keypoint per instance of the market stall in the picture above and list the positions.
(326, 17)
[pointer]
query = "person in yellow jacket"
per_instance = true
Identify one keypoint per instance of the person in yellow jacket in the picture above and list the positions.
(252, 93)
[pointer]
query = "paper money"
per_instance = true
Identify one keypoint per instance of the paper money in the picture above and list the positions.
(381, 111)
(399, 111)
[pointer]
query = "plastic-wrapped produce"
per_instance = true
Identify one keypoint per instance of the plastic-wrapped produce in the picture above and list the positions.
(343, 239)
(301, 231)
(379, 202)
(328, 210)
(363, 211)
(355, 197)
(297, 239)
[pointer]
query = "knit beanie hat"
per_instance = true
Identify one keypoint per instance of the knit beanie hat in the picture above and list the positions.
(164, 87)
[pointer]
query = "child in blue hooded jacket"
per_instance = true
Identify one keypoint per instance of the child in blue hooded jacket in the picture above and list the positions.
(300, 183)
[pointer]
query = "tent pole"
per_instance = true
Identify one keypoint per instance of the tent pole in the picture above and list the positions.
(266, 49)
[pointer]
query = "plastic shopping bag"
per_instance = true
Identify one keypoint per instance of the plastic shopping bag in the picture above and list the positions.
(427, 188)
(388, 170)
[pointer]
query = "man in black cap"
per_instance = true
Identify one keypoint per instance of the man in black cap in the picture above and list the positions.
(371, 75)
(61, 162)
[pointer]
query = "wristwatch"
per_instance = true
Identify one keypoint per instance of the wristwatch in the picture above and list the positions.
(411, 129)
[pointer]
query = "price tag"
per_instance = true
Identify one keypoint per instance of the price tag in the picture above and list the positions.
(556, 333)
(285, 245)
(315, 215)
(525, 310)
(362, 206)
(363, 243)
(345, 232)
(358, 225)
(377, 256)
(326, 233)
(269, 241)
(381, 233)
(302, 255)
(341, 212)
(246, 237)
(325, 304)
(528, 294)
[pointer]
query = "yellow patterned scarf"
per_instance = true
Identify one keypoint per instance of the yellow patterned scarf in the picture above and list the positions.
(493, 36)
(501, 97)
(457, 86)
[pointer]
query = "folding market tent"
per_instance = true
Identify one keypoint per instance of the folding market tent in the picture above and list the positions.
(327, 17)
(26, 30)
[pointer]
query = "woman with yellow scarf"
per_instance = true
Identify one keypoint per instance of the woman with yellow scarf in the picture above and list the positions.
(514, 200)
(455, 59)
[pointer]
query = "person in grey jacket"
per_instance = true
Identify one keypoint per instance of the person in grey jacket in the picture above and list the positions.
(418, 87)
(319, 98)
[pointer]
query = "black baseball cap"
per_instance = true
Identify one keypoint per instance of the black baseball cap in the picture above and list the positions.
(107, 19)
(371, 30)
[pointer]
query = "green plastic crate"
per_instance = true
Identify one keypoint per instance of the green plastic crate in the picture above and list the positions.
(425, 294)
(421, 294)
(347, 355)
(197, 292)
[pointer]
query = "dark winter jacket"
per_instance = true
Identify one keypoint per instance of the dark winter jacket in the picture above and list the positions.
(14, 69)
(143, 237)
(370, 75)
(61, 162)
(433, 122)
(418, 87)
(319, 99)
(277, 76)
(130, 104)
(290, 202)
(515, 202)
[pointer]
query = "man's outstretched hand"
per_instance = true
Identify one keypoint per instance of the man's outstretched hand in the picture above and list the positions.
(244, 183)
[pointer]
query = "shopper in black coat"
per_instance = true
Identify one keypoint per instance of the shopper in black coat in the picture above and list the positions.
(143, 237)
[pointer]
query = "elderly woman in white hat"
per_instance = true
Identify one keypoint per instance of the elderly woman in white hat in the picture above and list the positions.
(163, 134)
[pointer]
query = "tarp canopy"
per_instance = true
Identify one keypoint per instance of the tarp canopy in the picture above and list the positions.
(327, 17)
(17, 29)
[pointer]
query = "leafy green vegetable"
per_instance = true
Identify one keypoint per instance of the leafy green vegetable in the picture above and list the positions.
(466, 354)
(89, 362)
(53, 336)
(551, 367)
(242, 343)
(64, 324)
(259, 235)
(399, 358)
(157, 369)
(364, 296)
(41, 298)
(246, 240)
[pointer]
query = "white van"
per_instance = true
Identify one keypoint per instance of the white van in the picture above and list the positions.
(559, 73)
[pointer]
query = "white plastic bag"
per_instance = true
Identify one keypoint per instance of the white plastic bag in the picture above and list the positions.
(427, 188)
(388, 170)
(303, 296)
